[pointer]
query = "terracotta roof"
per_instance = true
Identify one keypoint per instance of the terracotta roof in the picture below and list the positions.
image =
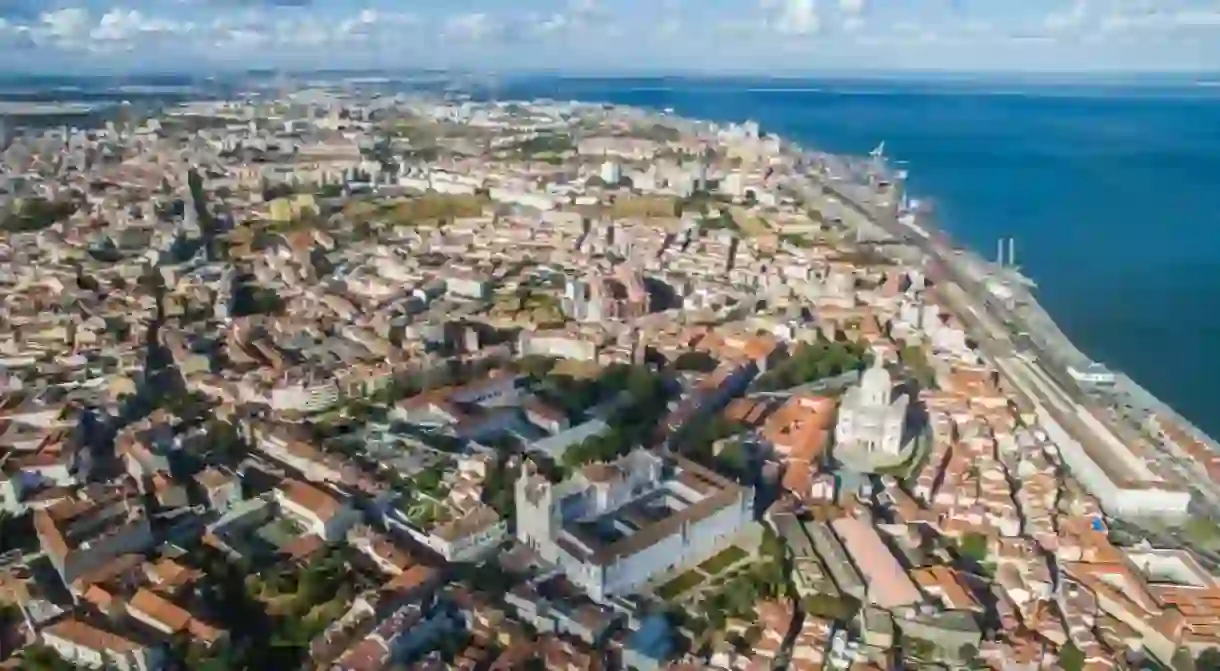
(160, 610)
(303, 547)
(477, 520)
(385, 549)
(169, 573)
(369, 654)
(318, 502)
(53, 542)
(412, 579)
(89, 636)
(205, 632)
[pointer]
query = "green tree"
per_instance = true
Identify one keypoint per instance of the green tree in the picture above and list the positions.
(429, 480)
(35, 214)
(842, 608)
(771, 546)
(696, 361)
(734, 459)
(536, 366)
(1071, 658)
(499, 489)
(973, 546)
(1209, 660)
(42, 658)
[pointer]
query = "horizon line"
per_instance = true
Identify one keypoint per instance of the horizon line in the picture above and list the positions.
(627, 73)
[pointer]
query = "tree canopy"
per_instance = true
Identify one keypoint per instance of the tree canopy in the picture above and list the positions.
(1208, 660)
(811, 362)
(1071, 658)
(35, 214)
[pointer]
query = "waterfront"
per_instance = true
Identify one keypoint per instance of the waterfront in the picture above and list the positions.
(1109, 193)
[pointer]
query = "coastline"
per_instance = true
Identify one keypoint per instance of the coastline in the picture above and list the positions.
(1032, 325)
(1039, 324)
(1182, 447)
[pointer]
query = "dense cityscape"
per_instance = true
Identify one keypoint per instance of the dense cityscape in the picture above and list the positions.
(332, 380)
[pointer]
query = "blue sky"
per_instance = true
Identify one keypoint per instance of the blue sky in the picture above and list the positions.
(789, 36)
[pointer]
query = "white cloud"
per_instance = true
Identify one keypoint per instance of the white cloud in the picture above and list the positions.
(67, 24)
(1029, 39)
(555, 23)
(306, 32)
(1199, 17)
(976, 27)
(228, 35)
(852, 8)
(1067, 19)
(1160, 21)
(119, 25)
(475, 27)
(370, 20)
(577, 16)
(796, 17)
(670, 26)
(1121, 22)
(583, 8)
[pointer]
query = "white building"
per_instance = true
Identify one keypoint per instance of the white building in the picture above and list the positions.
(221, 486)
(320, 512)
(84, 645)
(289, 449)
(614, 527)
(871, 429)
(557, 344)
(611, 172)
(525, 198)
(633, 148)
(733, 185)
(1092, 374)
(1121, 478)
(470, 537)
(468, 285)
(305, 395)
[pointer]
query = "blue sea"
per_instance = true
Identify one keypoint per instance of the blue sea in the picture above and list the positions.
(1110, 191)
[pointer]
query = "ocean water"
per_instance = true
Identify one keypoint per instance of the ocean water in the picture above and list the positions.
(1110, 191)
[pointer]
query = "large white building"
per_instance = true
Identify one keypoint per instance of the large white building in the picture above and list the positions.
(1126, 480)
(319, 511)
(871, 429)
(87, 646)
(611, 173)
(307, 395)
(614, 527)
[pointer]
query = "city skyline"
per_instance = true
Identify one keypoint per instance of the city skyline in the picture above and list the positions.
(783, 36)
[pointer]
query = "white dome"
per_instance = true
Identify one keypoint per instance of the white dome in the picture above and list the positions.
(875, 385)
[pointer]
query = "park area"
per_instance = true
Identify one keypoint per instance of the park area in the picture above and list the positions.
(723, 560)
(708, 572)
(680, 585)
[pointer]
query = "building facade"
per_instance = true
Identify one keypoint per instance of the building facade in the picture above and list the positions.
(871, 430)
(614, 527)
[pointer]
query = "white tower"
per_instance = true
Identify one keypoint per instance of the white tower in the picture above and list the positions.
(611, 173)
